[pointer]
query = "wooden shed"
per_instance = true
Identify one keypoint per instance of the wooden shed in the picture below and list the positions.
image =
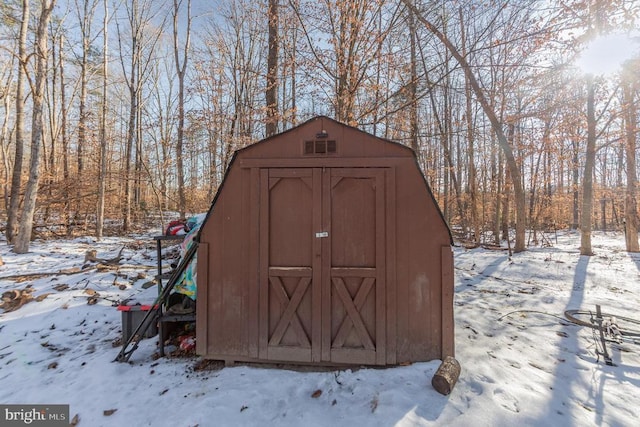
(324, 245)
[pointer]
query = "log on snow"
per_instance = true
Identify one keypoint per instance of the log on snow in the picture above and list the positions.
(446, 376)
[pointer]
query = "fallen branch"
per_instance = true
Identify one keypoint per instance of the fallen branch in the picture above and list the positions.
(74, 270)
(91, 255)
(33, 276)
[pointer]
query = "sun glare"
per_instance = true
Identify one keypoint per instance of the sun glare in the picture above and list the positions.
(606, 54)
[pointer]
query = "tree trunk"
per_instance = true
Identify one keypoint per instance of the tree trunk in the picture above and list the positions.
(496, 189)
(137, 164)
(575, 174)
(131, 128)
(471, 181)
(631, 203)
(342, 102)
(589, 164)
(103, 127)
(5, 136)
(444, 143)
(181, 67)
(133, 108)
(271, 94)
(37, 123)
(65, 141)
(413, 85)
(82, 112)
(507, 184)
(16, 179)
(50, 162)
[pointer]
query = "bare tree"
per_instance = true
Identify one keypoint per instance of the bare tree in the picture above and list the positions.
(181, 68)
(102, 177)
(209, 83)
(37, 124)
(16, 179)
(514, 170)
(64, 136)
(352, 42)
(161, 108)
(56, 32)
(141, 55)
(469, 116)
(85, 12)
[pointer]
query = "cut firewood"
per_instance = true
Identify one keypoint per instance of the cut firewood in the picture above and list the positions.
(446, 376)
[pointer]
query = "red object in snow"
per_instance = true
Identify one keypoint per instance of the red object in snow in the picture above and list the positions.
(187, 343)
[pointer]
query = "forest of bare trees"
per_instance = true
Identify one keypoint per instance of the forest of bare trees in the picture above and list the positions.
(114, 113)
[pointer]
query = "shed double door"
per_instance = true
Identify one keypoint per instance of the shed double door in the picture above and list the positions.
(322, 278)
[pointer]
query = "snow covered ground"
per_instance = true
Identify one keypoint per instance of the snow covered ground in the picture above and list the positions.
(522, 363)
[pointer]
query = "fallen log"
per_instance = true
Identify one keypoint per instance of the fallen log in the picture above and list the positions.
(446, 376)
(92, 255)
(34, 276)
(74, 270)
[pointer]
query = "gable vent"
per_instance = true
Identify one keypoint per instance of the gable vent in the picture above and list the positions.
(320, 147)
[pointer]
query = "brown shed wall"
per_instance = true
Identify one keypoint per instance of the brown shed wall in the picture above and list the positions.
(384, 306)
